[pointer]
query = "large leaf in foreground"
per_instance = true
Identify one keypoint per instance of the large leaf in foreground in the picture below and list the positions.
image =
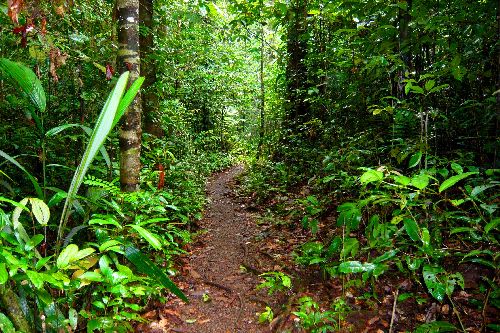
(101, 130)
(27, 80)
(146, 266)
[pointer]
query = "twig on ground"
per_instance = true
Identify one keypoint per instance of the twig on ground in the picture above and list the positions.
(396, 293)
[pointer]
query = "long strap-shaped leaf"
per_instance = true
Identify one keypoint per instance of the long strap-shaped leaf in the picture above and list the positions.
(27, 80)
(146, 266)
(12, 160)
(101, 130)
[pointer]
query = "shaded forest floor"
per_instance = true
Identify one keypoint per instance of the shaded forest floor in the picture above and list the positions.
(235, 244)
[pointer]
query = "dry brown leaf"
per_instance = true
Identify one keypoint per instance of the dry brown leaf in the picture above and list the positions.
(14, 7)
(373, 320)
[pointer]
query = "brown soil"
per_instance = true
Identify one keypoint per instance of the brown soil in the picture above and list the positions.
(214, 278)
(222, 268)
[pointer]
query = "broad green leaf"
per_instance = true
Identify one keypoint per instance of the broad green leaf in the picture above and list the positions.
(34, 241)
(430, 84)
(6, 325)
(403, 180)
(492, 225)
(109, 221)
(417, 89)
(457, 168)
(371, 176)
(40, 263)
(385, 256)
(415, 159)
(148, 236)
(66, 256)
(26, 79)
(35, 278)
(91, 276)
(57, 198)
(40, 210)
(436, 327)
(426, 238)
(351, 267)
(287, 282)
(454, 179)
(436, 287)
(4, 275)
(146, 266)
(83, 253)
(461, 229)
(350, 215)
(412, 229)
(106, 246)
(351, 246)
(420, 181)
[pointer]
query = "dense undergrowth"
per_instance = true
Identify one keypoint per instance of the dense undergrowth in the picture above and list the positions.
(426, 234)
(113, 251)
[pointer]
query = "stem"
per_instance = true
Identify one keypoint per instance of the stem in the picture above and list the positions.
(455, 311)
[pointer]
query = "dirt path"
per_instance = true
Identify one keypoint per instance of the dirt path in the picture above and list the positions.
(213, 280)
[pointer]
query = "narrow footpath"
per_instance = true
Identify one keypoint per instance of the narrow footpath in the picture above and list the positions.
(214, 280)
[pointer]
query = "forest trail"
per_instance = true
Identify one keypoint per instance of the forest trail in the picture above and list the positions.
(212, 279)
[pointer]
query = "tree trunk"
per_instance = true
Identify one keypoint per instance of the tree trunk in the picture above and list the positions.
(150, 109)
(262, 94)
(296, 108)
(11, 306)
(129, 59)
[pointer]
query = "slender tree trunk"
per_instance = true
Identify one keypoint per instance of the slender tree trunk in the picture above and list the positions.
(129, 59)
(404, 27)
(150, 109)
(262, 94)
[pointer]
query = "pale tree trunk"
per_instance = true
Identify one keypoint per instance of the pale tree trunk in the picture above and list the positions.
(129, 59)
(150, 109)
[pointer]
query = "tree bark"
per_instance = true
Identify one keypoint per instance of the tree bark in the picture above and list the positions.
(129, 59)
(150, 109)
(11, 306)
(262, 93)
(297, 109)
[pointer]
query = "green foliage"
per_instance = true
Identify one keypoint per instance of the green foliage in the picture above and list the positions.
(266, 315)
(275, 281)
(107, 118)
(314, 320)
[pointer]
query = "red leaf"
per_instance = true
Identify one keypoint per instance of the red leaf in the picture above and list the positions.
(23, 30)
(14, 7)
(109, 71)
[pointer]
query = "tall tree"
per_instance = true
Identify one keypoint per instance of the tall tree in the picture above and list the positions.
(129, 59)
(262, 84)
(296, 107)
(150, 109)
